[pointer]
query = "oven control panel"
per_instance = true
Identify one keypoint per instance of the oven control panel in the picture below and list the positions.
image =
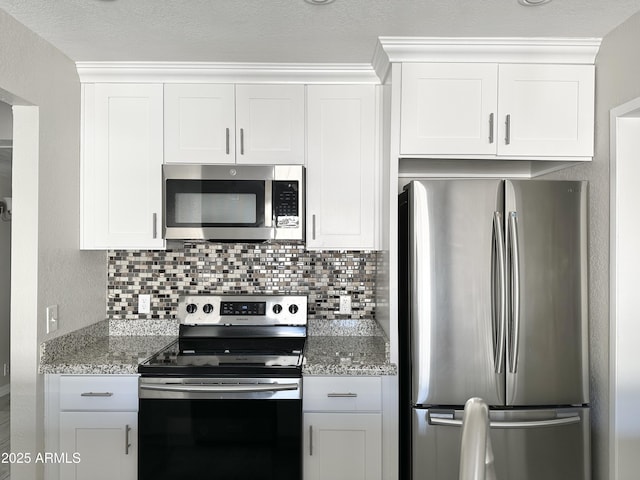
(242, 310)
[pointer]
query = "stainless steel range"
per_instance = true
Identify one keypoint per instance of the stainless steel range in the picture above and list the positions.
(224, 400)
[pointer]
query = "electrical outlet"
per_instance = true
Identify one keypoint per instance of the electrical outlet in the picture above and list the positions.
(144, 303)
(52, 318)
(345, 304)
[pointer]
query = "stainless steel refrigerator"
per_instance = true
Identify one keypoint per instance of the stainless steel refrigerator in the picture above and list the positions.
(493, 304)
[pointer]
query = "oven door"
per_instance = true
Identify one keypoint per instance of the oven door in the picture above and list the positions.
(240, 429)
(216, 202)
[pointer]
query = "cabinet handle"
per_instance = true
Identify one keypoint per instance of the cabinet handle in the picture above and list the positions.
(227, 139)
(507, 123)
(342, 395)
(491, 128)
(311, 440)
(313, 226)
(242, 141)
(155, 225)
(96, 394)
(127, 429)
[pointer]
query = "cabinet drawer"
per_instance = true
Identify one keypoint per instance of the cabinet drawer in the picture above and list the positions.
(99, 393)
(342, 394)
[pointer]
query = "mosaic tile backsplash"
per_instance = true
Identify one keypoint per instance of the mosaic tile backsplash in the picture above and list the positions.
(203, 267)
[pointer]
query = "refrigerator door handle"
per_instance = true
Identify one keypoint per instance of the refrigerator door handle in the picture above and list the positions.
(501, 262)
(514, 334)
(555, 422)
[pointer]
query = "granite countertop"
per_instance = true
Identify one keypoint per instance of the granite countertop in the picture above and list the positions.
(102, 348)
(106, 347)
(347, 355)
(107, 355)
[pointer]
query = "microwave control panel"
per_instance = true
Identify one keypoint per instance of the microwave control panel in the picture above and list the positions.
(285, 198)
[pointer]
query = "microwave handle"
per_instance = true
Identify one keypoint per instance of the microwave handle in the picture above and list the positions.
(268, 204)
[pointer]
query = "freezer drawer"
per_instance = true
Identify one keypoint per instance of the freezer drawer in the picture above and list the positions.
(541, 444)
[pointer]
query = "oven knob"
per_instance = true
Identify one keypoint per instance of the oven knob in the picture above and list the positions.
(208, 308)
(277, 308)
(293, 309)
(191, 308)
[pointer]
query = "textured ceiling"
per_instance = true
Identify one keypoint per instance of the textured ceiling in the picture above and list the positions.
(292, 30)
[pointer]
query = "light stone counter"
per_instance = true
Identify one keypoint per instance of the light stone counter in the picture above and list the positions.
(347, 355)
(106, 347)
(334, 347)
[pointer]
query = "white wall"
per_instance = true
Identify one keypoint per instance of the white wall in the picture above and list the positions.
(48, 267)
(617, 81)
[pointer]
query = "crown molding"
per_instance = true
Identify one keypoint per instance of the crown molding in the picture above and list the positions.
(487, 50)
(381, 63)
(206, 72)
(388, 50)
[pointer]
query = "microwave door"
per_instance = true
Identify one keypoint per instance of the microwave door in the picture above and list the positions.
(218, 209)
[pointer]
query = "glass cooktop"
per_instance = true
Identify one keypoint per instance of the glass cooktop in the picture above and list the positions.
(172, 360)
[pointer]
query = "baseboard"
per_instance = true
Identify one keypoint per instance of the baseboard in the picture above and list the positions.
(5, 390)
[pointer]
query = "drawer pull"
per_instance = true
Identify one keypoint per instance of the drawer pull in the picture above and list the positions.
(96, 394)
(127, 444)
(342, 395)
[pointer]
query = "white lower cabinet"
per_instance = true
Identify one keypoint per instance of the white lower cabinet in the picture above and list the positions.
(342, 446)
(342, 428)
(92, 427)
(104, 445)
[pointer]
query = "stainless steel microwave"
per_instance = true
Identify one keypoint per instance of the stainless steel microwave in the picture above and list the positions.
(233, 202)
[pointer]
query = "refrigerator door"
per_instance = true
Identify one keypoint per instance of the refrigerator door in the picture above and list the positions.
(527, 444)
(455, 291)
(547, 334)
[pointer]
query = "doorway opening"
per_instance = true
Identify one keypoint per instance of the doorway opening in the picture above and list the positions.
(6, 150)
(624, 298)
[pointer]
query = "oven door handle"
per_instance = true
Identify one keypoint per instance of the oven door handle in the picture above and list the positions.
(276, 387)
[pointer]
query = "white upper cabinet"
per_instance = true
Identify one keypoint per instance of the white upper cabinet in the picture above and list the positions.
(270, 124)
(448, 108)
(121, 167)
(546, 110)
(341, 166)
(497, 110)
(199, 123)
(223, 123)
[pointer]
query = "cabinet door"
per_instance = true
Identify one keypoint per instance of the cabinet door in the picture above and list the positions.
(105, 444)
(342, 446)
(199, 124)
(341, 166)
(448, 108)
(550, 110)
(270, 124)
(122, 166)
